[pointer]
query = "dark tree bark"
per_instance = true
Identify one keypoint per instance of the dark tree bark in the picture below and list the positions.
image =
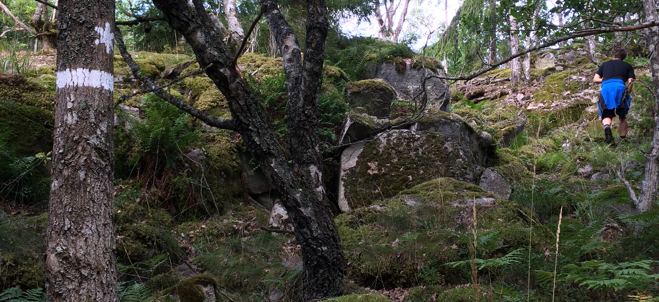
(650, 183)
(297, 177)
(80, 261)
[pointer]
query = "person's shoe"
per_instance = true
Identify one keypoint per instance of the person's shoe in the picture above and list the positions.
(608, 136)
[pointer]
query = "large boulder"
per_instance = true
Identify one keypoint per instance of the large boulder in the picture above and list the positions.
(436, 146)
(545, 60)
(408, 79)
(374, 97)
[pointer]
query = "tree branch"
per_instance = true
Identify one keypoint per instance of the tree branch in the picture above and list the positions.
(632, 194)
(46, 3)
(10, 30)
(249, 33)
(21, 24)
(578, 34)
(177, 102)
(128, 96)
(139, 20)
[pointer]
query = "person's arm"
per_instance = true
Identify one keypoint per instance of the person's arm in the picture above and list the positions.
(598, 75)
(597, 78)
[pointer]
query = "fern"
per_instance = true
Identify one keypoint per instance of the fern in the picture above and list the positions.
(494, 263)
(136, 292)
(16, 294)
(601, 275)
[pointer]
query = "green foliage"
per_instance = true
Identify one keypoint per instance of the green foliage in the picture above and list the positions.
(135, 292)
(643, 102)
(513, 257)
(596, 274)
(23, 179)
(16, 294)
(356, 55)
(15, 62)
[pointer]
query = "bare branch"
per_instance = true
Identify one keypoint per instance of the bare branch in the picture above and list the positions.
(249, 33)
(577, 34)
(128, 96)
(139, 20)
(632, 194)
(177, 102)
(46, 3)
(10, 30)
(30, 30)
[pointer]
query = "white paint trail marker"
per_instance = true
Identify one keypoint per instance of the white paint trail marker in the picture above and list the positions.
(85, 78)
(106, 37)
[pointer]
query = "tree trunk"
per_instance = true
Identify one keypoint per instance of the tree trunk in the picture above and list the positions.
(526, 64)
(492, 46)
(531, 40)
(651, 179)
(80, 261)
(390, 30)
(297, 178)
(516, 72)
(235, 28)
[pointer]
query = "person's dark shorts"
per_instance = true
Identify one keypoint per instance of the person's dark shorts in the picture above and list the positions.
(621, 111)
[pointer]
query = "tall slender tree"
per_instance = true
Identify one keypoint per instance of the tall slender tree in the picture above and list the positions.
(80, 261)
(515, 64)
(650, 184)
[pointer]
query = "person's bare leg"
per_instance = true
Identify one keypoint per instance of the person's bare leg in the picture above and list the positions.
(622, 130)
(608, 137)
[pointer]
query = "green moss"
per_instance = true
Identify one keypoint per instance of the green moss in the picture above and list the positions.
(260, 66)
(144, 231)
(150, 67)
(189, 291)
(470, 114)
(22, 242)
(369, 85)
(360, 298)
(500, 73)
(161, 282)
(407, 240)
(334, 73)
(428, 62)
(554, 87)
(510, 166)
(423, 293)
(213, 102)
(27, 116)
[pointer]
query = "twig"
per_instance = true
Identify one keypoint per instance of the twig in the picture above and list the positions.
(46, 3)
(10, 30)
(282, 231)
(125, 97)
(249, 33)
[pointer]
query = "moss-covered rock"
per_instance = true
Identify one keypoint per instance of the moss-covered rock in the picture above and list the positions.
(213, 102)
(27, 114)
(374, 97)
(143, 232)
(22, 242)
(399, 159)
(408, 239)
(260, 66)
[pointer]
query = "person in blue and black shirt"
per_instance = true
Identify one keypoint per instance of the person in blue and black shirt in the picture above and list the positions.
(614, 98)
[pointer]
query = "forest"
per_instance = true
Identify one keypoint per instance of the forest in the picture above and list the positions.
(206, 150)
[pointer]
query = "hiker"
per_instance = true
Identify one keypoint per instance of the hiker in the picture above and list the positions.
(613, 75)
